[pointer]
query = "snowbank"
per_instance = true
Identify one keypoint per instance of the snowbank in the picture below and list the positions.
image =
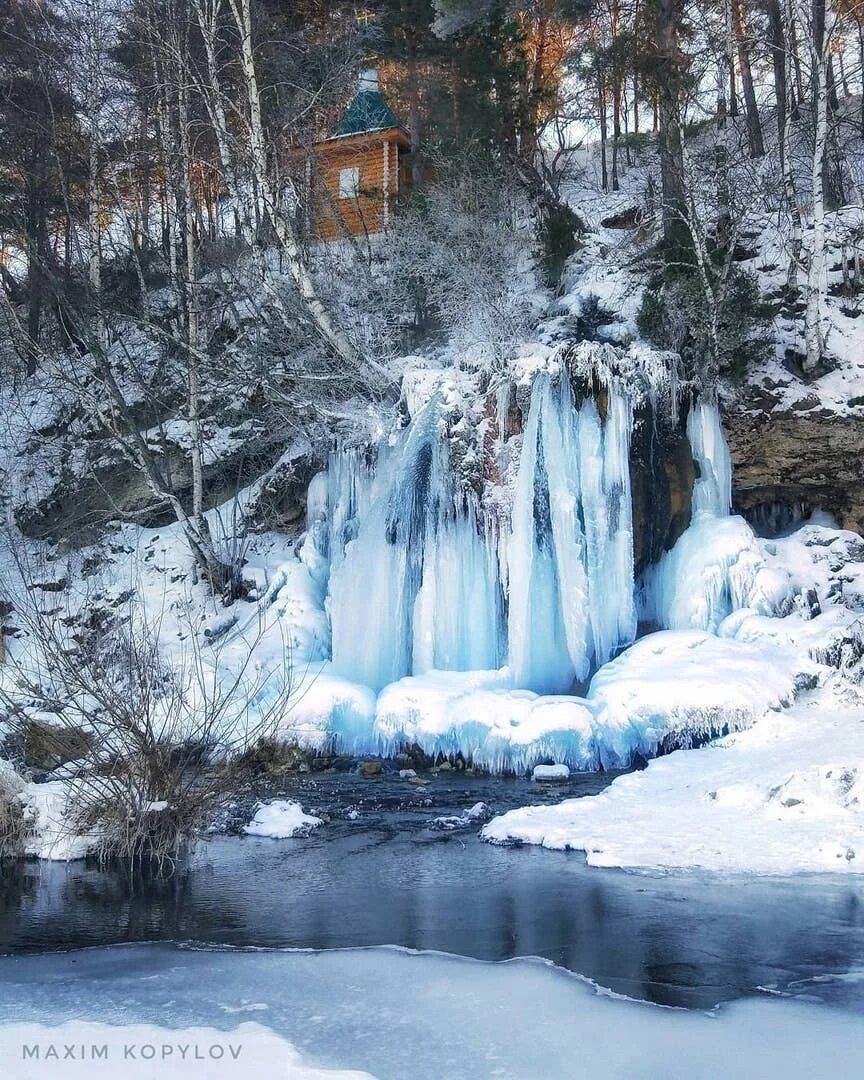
(787, 796)
(281, 818)
(680, 686)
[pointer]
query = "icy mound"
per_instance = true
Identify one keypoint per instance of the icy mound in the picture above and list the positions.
(476, 715)
(713, 570)
(677, 686)
(325, 708)
(786, 796)
(669, 689)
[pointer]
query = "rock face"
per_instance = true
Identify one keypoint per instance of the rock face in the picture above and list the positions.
(662, 472)
(802, 462)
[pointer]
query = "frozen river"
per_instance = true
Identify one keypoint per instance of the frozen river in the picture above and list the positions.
(381, 871)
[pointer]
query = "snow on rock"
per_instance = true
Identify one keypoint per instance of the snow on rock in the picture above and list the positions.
(786, 796)
(550, 772)
(820, 557)
(473, 815)
(669, 689)
(835, 636)
(11, 784)
(281, 818)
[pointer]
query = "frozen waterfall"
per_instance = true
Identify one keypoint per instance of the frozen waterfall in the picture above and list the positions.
(414, 573)
(425, 571)
(478, 568)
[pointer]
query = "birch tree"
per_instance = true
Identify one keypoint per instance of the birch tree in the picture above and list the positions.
(280, 221)
(821, 21)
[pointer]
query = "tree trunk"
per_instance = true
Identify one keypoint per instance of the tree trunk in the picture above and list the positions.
(601, 103)
(635, 104)
(778, 58)
(721, 164)
(754, 126)
(796, 239)
(281, 223)
(616, 127)
(823, 24)
(670, 65)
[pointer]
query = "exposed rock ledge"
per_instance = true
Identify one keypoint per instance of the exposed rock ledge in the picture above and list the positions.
(806, 461)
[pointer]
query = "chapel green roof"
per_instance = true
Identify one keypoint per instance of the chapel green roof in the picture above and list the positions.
(367, 112)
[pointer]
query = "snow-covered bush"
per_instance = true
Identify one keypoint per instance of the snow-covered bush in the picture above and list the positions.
(675, 314)
(12, 822)
(460, 268)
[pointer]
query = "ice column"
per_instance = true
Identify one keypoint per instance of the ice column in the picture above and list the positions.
(570, 553)
(712, 491)
(416, 585)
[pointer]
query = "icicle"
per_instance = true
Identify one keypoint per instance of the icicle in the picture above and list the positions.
(539, 658)
(712, 492)
(713, 568)
(417, 588)
(604, 452)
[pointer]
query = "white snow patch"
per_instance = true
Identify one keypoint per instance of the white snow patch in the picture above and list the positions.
(51, 833)
(550, 772)
(281, 818)
(90, 1050)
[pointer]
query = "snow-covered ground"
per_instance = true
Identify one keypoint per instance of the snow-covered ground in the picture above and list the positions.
(783, 797)
(393, 1015)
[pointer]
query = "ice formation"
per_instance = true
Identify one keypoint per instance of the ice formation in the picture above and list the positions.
(475, 575)
(424, 577)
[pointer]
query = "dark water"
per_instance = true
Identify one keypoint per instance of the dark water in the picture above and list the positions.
(388, 876)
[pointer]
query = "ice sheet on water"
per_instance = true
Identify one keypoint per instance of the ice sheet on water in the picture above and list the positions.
(140, 1051)
(394, 1014)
